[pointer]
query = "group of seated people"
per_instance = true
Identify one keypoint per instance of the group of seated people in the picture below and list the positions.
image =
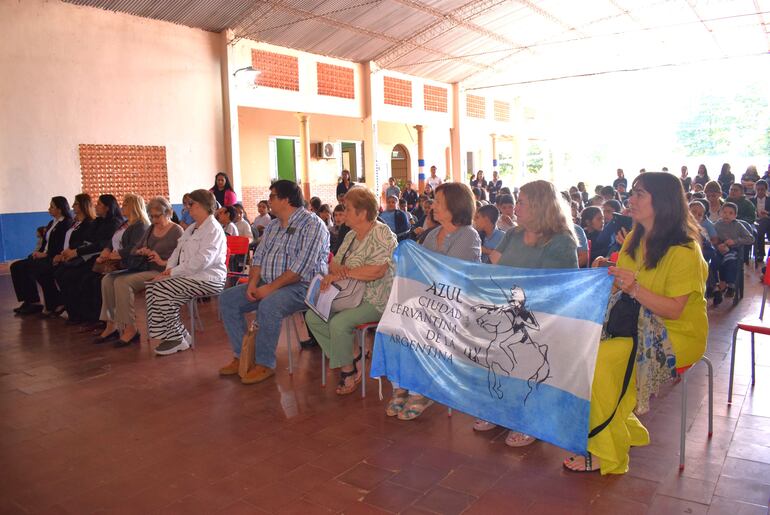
(659, 262)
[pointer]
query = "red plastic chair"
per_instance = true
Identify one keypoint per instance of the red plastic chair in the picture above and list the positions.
(753, 326)
(237, 246)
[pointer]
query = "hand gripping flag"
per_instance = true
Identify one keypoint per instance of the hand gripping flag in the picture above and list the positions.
(512, 346)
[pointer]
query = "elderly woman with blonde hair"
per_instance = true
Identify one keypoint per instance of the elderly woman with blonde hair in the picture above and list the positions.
(143, 262)
(366, 254)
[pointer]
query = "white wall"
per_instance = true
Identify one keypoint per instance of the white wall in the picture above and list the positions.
(75, 75)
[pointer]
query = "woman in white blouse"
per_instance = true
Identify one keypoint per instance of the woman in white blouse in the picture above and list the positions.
(195, 268)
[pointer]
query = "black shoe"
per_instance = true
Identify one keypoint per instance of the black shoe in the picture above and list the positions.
(104, 339)
(730, 293)
(21, 307)
(123, 343)
(30, 309)
(308, 344)
(717, 297)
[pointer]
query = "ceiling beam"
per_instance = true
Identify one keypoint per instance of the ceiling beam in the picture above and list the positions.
(762, 23)
(445, 23)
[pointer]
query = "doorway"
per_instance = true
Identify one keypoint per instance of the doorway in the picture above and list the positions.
(351, 153)
(399, 163)
(284, 156)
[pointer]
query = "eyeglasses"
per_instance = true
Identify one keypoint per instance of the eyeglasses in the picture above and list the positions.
(155, 215)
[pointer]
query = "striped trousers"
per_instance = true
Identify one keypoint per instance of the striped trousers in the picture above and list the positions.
(165, 297)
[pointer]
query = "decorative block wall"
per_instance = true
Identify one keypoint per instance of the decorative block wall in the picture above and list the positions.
(335, 81)
(502, 111)
(398, 92)
(251, 195)
(121, 169)
(278, 70)
(435, 98)
(475, 106)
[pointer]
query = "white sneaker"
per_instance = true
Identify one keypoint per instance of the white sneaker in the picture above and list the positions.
(167, 347)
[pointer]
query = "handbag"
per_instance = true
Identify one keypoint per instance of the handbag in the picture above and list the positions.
(351, 290)
(623, 321)
(137, 263)
(106, 267)
(248, 349)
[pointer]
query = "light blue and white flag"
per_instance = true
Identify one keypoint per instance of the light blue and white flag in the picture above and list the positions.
(513, 346)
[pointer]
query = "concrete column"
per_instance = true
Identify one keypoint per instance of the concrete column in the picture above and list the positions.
(370, 100)
(494, 152)
(455, 134)
(304, 152)
(420, 159)
(230, 111)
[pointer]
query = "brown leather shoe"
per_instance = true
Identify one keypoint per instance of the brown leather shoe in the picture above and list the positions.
(231, 369)
(257, 374)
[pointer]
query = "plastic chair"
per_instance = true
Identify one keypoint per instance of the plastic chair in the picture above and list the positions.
(360, 334)
(753, 326)
(683, 374)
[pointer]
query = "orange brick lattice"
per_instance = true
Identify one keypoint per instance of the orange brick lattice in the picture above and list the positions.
(475, 106)
(435, 98)
(335, 81)
(502, 111)
(121, 169)
(278, 70)
(398, 92)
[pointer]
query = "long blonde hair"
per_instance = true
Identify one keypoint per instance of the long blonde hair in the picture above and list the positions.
(550, 213)
(133, 205)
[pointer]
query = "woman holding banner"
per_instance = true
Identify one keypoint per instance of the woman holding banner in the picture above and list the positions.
(544, 238)
(661, 266)
(453, 209)
(366, 254)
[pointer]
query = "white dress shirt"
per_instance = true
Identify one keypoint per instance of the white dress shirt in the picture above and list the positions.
(200, 253)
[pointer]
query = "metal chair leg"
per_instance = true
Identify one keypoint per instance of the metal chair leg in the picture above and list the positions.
(362, 345)
(683, 422)
(323, 369)
(289, 323)
(732, 366)
(191, 311)
(752, 359)
(710, 367)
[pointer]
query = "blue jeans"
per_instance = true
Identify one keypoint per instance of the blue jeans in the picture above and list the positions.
(271, 310)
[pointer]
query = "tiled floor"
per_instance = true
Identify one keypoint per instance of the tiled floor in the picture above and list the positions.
(87, 428)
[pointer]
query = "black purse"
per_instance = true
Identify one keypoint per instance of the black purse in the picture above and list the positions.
(136, 263)
(622, 322)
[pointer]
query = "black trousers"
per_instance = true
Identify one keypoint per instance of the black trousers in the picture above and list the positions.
(23, 277)
(81, 290)
(763, 233)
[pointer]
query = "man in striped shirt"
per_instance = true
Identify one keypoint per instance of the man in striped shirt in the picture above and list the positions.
(293, 249)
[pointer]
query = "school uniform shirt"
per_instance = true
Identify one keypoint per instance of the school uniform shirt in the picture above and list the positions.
(230, 229)
(244, 229)
(262, 220)
(491, 242)
(200, 253)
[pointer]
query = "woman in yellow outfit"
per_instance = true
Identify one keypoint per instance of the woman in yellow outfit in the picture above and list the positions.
(660, 265)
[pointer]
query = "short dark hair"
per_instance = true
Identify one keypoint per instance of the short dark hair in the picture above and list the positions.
(587, 215)
(489, 212)
(761, 182)
(738, 185)
(459, 202)
(614, 204)
(607, 191)
(230, 210)
(506, 198)
(315, 203)
(206, 200)
(286, 189)
(731, 205)
(505, 190)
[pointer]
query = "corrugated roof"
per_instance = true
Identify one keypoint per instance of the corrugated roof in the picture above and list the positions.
(482, 41)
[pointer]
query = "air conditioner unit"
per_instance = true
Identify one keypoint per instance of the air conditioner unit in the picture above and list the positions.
(326, 150)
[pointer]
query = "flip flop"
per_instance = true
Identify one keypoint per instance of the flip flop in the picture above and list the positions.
(588, 465)
(516, 439)
(414, 408)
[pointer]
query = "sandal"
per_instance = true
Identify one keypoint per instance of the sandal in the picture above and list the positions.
(483, 425)
(345, 388)
(396, 403)
(414, 407)
(588, 465)
(516, 439)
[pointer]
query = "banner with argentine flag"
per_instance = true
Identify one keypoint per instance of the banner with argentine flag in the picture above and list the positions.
(512, 346)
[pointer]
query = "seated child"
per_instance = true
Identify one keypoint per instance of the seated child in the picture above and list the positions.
(731, 235)
(485, 221)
